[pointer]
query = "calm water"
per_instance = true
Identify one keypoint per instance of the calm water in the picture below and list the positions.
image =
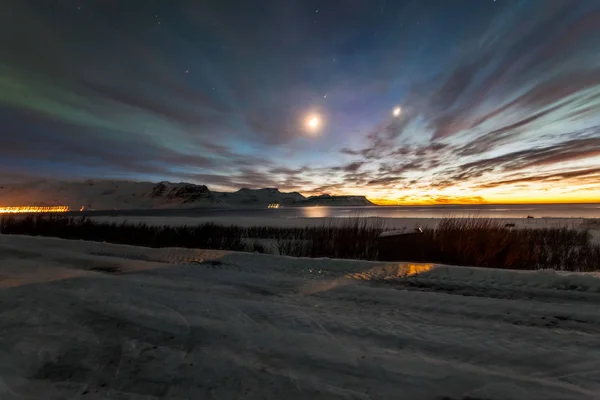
(493, 211)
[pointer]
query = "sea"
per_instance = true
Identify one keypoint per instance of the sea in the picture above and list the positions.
(435, 211)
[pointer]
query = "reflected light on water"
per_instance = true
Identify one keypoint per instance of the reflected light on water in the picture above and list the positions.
(315, 212)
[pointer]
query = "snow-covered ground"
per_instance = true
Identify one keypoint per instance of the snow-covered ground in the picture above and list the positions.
(95, 320)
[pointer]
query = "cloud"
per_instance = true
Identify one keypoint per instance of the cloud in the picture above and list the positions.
(67, 147)
(351, 167)
(567, 151)
(287, 171)
(533, 59)
(590, 175)
(348, 151)
(386, 181)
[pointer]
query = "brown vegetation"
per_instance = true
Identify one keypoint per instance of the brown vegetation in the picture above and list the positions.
(472, 241)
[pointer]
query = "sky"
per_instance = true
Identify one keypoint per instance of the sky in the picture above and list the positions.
(498, 100)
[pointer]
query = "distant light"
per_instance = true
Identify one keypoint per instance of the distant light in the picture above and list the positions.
(33, 209)
(313, 122)
(397, 111)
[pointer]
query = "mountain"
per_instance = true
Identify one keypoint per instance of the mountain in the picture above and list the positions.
(327, 200)
(109, 194)
(260, 197)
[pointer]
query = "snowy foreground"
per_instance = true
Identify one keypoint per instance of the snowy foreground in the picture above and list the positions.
(94, 321)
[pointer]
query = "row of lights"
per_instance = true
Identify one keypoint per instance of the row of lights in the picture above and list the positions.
(313, 121)
(33, 209)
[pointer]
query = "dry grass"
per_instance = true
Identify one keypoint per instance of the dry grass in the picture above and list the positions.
(487, 243)
(472, 241)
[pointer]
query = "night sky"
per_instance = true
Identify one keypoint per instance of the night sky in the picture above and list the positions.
(500, 99)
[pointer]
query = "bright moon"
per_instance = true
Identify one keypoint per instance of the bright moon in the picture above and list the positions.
(313, 122)
(397, 111)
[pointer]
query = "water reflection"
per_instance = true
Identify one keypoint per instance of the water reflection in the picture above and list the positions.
(315, 212)
(488, 211)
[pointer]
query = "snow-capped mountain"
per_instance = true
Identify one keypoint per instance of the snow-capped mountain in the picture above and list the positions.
(110, 194)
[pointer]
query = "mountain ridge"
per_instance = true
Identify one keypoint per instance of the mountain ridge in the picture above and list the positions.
(121, 194)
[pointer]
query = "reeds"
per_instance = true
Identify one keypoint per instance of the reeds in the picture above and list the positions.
(456, 241)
